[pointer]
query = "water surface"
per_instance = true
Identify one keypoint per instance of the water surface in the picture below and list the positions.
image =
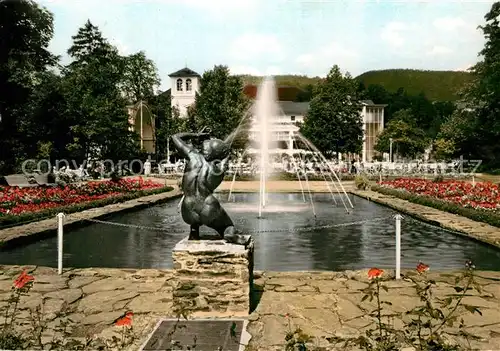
(280, 244)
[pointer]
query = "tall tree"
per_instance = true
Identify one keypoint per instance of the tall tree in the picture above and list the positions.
(94, 97)
(333, 122)
(140, 77)
(25, 32)
(220, 103)
(455, 135)
(408, 139)
(485, 93)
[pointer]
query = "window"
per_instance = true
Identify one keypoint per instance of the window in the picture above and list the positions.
(292, 118)
(179, 84)
(189, 86)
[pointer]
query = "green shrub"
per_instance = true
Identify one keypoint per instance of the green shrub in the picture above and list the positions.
(485, 216)
(361, 182)
(438, 179)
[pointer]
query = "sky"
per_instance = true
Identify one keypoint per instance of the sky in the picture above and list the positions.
(270, 37)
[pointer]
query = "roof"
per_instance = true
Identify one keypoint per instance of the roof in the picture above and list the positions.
(166, 92)
(185, 72)
(371, 103)
(288, 108)
(284, 93)
(294, 108)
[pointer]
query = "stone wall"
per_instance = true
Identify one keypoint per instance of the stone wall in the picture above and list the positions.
(213, 277)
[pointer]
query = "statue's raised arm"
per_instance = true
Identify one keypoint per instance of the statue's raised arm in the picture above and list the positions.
(183, 147)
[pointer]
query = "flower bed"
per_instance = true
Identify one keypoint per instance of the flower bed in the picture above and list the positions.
(27, 204)
(489, 216)
(485, 196)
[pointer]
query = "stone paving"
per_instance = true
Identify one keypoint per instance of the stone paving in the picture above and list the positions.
(323, 304)
(477, 230)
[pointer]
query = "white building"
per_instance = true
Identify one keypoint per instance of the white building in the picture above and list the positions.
(373, 124)
(284, 125)
(185, 84)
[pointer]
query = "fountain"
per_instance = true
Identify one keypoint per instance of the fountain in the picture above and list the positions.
(265, 109)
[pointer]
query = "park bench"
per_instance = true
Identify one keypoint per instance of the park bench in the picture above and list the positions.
(19, 180)
(43, 180)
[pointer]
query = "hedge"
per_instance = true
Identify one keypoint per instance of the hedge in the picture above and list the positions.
(479, 215)
(7, 221)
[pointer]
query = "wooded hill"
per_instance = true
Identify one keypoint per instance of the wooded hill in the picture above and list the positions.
(437, 85)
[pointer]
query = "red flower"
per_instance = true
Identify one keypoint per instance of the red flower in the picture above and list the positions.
(375, 273)
(422, 267)
(126, 320)
(23, 279)
(15, 201)
(484, 196)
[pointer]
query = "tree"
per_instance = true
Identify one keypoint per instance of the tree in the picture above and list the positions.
(220, 103)
(140, 78)
(25, 32)
(454, 135)
(94, 97)
(50, 123)
(408, 139)
(377, 93)
(305, 94)
(484, 95)
(333, 122)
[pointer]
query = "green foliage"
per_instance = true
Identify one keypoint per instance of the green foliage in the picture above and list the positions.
(484, 93)
(408, 139)
(333, 122)
(220, 103)
(437, 85)
(361, 182)
(25, 33)
(284, 80)
(479, 215)
(94, 97)
(140, 78)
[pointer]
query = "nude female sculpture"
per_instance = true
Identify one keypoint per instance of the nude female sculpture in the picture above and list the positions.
(204, 172)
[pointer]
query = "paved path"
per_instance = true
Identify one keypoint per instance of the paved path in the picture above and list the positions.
(323, 304)
(477, 230)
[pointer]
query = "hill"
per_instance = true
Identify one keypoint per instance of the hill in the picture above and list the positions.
(283, 80)
(437, 85)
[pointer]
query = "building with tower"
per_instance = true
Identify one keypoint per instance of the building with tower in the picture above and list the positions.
(185, 83)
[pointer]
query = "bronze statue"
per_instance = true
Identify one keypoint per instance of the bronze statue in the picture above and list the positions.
(204, 172)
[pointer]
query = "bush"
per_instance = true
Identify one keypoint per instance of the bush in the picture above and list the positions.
(24, 218)
(438, 179)
(361, 182)
(479, 215)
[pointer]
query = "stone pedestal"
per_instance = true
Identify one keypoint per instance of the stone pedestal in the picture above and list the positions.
(212, 277)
